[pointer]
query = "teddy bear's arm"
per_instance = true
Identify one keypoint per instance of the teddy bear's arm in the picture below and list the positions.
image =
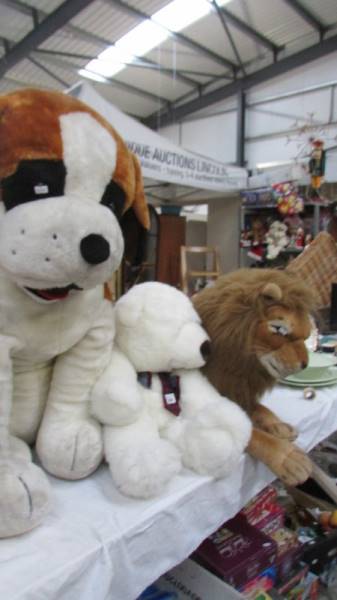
(116, 399)
(197, 392)
(69, 442)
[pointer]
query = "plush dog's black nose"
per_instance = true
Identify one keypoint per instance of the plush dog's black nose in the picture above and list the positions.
(95, 249)
(205, 350)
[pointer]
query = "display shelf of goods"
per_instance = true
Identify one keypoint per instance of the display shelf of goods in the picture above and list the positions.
(270, 234)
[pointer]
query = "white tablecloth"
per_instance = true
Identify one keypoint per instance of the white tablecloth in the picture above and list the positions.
(97, 544)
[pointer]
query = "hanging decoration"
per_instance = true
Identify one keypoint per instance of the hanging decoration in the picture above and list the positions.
(288, 200)
(317, 163)
(304, 131)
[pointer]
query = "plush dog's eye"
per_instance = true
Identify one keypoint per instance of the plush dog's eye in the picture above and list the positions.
(33, 180)
(278, 327)
(114, 198)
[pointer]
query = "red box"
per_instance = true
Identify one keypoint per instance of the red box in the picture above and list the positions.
(270, 519)
(237, 552)
(266, 497)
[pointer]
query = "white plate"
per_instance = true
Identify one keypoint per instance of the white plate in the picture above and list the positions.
(326, 375)
(303, 384)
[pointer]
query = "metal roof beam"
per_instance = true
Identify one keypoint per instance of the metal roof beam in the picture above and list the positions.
(54, 21)
(250, 31)
(43, 68)
(177, 36)
(229, 35)
(306, 15)
(139, 63)
(178, 112)
(63, 64)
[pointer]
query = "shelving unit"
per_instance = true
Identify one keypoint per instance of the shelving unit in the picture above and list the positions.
(311, 217)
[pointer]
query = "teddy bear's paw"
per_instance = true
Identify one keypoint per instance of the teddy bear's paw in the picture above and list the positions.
(70, 450)
(19, 449)
(24, 496)
(210, 451)
(230, 418)
(143, 472)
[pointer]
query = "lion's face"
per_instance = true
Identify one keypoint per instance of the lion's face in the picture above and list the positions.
(279, 341)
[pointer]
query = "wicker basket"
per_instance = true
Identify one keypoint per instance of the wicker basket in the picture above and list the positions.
(317, 266)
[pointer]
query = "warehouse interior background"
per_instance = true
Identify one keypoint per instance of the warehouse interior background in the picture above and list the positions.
(244, 82)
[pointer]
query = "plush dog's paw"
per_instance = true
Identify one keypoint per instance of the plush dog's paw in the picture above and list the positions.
(19, 449)
(70, 450)
(293, 467)
(24, 496)
(144, 471)
(209, 451)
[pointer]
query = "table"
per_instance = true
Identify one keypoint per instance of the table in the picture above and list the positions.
(97, 544)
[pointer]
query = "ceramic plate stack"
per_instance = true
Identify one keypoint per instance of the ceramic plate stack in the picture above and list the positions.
(321, 371)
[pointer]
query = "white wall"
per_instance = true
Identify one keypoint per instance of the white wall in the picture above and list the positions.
(212, 132)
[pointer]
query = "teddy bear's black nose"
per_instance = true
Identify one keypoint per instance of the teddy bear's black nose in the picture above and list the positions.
(95, 249)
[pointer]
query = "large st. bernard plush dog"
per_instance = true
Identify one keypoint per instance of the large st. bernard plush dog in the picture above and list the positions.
(66, 177)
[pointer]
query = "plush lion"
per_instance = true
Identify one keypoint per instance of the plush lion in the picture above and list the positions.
(66, 177)
(257, 320)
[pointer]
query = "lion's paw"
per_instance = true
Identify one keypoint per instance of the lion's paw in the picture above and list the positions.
(70, 450)
(24, 496)
(295, 467)
(143, 472)
(281, 430)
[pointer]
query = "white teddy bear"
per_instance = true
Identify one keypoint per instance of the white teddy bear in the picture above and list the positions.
(159, 411)
(276, 239)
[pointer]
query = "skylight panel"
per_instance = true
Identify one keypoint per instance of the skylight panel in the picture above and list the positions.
(177, 15)
(104, 67)
(180, 13)
(91, 75)
(142, 38)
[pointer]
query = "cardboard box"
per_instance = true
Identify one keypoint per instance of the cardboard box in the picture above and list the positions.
(191, 581)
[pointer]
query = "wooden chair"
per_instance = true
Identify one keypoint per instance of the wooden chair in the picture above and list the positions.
(188, 274)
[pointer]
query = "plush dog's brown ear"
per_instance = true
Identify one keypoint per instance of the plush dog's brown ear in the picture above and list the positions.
(139, 204)
(128, 176)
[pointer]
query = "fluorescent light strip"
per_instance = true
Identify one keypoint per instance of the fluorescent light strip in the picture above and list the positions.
(177, 15)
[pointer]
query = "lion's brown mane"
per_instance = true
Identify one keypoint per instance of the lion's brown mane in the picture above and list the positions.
(230, 311)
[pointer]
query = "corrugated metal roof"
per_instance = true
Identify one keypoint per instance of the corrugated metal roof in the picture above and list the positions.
(325, 10)
(103, 19)
(13, 25)
(273, 18)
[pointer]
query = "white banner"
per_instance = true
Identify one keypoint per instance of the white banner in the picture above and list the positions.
(160, 159)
